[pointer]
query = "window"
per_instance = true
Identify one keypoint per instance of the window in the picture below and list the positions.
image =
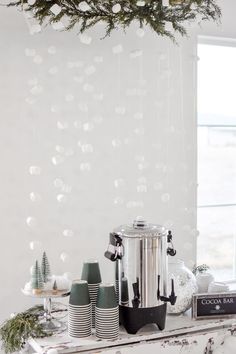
(217, 157)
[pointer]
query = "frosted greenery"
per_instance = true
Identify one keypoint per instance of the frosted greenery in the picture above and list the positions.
(85, 14)
(15, 332)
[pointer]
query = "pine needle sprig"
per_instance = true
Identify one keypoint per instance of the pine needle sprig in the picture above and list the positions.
(15, 332)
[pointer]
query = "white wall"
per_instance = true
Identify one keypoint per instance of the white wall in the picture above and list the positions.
(227, 27)
(155, 157)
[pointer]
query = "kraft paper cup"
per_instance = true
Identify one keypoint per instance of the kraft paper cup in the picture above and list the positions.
(91, 272)
(79, 295)
(106, 296)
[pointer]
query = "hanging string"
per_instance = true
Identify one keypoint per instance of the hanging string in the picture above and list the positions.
(141, 93)
(35, 131)
(26, 18)
(183, 139)
(119, 77)
(168, 123)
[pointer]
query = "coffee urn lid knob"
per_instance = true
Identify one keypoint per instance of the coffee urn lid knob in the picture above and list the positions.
(139, 222)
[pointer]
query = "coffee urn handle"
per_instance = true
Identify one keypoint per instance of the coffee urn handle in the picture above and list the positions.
(170, 250)
(116, 242)
(111, 256)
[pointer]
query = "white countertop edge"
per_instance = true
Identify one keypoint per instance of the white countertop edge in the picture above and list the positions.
(192, 326)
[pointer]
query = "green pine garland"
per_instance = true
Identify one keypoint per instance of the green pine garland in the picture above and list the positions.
(149, 12)
(15, 332)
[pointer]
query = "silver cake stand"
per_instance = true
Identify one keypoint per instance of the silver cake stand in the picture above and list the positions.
(49, 323)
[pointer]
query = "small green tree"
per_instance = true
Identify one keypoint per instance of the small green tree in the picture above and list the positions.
(36, 277)
(45, 268)
(54, 288)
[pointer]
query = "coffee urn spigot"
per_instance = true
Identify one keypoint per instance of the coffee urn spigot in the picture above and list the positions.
(172, 298)
(136, 301)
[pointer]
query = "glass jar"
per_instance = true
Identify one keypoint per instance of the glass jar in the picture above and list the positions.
(185, 286)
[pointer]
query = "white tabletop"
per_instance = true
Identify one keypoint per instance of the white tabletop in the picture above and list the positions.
(175, 326)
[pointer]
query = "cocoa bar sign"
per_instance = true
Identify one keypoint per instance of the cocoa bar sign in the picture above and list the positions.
(207, 306)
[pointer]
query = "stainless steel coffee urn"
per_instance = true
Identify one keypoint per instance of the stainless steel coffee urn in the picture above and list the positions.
(140, 253)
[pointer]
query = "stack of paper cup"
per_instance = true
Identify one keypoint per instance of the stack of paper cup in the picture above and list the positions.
(218, 287)
(80, 310)
(91, 273)
(107, 313)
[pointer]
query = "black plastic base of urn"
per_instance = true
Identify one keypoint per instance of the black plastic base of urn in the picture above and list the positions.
(133, 319)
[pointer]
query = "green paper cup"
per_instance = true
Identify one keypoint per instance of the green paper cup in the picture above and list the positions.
(79, 295)
(91, 272)
(106, 296)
